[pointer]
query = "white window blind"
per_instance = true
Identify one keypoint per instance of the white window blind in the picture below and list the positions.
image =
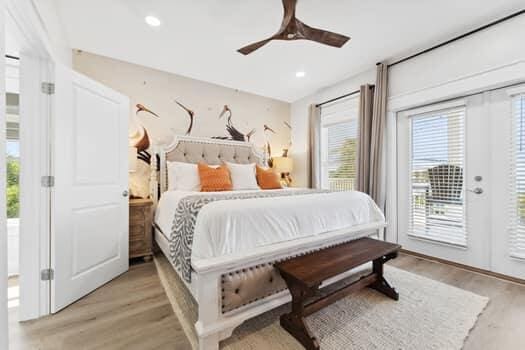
(437, 208)
(339, 138)
(517, 179)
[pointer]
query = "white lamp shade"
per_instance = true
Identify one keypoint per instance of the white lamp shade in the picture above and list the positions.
(132, 159)
(283, 164)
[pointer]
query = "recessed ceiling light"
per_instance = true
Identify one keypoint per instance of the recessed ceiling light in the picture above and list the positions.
(300, 74)
(152, 21)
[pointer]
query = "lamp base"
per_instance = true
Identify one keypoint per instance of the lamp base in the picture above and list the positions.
(286, 180)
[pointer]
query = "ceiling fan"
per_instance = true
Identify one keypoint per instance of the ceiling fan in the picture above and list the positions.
(294, 29)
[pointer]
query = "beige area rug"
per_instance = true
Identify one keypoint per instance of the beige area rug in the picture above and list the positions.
(428, 315)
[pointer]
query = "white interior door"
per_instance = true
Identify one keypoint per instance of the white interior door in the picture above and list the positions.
(443, 181)
(89, 239)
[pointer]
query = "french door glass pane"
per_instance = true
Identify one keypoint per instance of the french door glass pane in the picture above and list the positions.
(437, 210)
(517, 204)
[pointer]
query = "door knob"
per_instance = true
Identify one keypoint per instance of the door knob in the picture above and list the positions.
(477, 190)
(125, 193)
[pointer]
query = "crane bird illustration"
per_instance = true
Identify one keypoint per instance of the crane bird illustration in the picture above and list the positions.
(285, 151)
(143, 142)
(268, 147)
(191, 114)
(235, 134)
(142, 108)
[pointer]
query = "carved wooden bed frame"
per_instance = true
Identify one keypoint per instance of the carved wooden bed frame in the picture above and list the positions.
(213, 280)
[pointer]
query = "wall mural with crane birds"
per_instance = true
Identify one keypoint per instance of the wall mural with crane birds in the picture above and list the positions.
(164, 105)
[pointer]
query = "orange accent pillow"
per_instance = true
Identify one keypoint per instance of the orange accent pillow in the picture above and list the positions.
(214, 179)
(268, 179)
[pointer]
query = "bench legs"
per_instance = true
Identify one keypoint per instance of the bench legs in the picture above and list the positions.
(294, 322)
(299, 330)
(381, 285)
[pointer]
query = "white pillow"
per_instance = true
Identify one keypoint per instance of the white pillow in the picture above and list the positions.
(183, 177)
(243, 176)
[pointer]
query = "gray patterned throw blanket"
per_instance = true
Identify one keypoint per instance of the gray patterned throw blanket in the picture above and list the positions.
(188, 208)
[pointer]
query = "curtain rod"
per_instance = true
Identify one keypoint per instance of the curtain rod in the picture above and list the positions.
(479, 29)
(341, 97)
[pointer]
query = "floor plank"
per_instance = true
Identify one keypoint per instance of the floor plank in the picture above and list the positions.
(133, 312)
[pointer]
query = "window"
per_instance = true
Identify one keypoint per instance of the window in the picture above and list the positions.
(339, 140)
(517, 174)
(12, 159)
(437, 210)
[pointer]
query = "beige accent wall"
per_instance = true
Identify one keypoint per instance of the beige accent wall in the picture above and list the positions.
(157, 91)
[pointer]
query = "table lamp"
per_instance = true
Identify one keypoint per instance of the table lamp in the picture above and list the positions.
(284, 166)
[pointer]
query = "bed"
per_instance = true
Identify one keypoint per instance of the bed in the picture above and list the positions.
(237, 239)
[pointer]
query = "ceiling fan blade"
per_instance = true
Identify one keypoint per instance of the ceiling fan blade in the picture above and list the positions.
(252, 47)
(289, 12)
(323, 36)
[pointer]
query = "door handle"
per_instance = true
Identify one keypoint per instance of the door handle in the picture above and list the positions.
(477, 190)
(125, 193)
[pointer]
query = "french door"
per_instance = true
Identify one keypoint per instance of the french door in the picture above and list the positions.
(461, 181)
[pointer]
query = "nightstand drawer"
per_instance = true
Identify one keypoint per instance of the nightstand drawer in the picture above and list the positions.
(136, 231)
(139, 248)
(140, 230)
(137, 214)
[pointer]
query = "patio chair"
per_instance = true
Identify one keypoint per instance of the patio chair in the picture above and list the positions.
(446, 186)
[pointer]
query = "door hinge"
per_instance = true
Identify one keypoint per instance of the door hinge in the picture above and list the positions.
(47, 274)
(48, 181)
(48, 88)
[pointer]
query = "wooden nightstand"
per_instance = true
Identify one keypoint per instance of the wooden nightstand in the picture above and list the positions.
(140, 226)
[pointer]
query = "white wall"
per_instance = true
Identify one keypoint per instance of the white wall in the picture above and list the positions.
(54, 37)
(299, 120)
(478, 60)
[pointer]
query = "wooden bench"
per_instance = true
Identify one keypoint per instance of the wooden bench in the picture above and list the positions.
(304, 274)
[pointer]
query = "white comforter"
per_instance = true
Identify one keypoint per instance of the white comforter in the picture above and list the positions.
(234, 226)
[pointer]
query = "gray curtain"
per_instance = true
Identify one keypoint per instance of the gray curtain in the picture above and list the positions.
(314, 138)
(366, 105)
(372, 123)
(378, 130)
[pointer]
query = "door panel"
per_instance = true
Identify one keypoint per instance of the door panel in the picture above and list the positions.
(508, 172)
(95, 114)
(90, 213)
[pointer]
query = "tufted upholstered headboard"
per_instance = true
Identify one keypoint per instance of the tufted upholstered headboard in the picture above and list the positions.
(199, 149)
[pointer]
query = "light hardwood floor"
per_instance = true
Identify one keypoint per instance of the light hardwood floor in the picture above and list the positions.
(133, 312)
(501, 326)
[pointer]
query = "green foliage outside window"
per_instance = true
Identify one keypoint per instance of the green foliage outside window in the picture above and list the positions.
(13, 189)
(348, 156)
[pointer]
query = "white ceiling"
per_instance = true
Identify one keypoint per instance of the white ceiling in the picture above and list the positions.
(199, 39)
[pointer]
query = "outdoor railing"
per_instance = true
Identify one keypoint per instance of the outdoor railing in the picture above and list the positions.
(341, 184)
